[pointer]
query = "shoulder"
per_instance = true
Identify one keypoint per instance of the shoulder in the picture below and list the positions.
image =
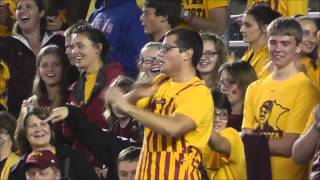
(302, 81)
(11, 40)
(160, 79)
(57, 39)
(229, 132)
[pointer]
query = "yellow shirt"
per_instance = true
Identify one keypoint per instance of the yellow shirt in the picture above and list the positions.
(285, 7)
(202, 8)
(140, 3)
(168, 157)
(4, 31)
(222, 167)
(257, 60)
(312, 73)
(273, 108)
(91, 9)
(90, 82)
(265, 71)
(12, 159)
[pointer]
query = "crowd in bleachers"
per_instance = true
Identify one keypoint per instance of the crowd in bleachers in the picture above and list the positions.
(149, 89)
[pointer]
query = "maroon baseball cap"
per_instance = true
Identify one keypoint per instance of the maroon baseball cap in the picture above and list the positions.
(41, 159)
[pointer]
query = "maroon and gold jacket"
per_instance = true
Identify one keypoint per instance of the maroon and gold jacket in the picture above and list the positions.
(94, 107)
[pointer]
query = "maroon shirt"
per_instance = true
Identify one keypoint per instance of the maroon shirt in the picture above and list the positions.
(235, 121)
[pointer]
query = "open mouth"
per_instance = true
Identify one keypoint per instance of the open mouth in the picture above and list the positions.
(204, 62)
(39, 136)
(24, 18)
(50, 75)
(155, 69)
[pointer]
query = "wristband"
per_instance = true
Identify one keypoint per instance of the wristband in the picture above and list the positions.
(188, 16)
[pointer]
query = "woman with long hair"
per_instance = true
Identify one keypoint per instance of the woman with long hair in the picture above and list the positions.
(234, 78)
(33, 133)
(89, 47)
(309, 61)
(254, 30)
(214, 55)
(19, 50)
(50, 86)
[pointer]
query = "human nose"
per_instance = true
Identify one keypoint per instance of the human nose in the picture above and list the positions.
(50, 67)
(242, 28)
(160, 53)
(74, 51)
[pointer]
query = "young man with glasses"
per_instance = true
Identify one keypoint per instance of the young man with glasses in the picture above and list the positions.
(178, 117)
(282, 101)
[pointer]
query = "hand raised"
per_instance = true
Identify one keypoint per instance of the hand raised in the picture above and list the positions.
(58, 114)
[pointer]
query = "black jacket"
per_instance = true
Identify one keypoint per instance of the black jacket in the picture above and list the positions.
(72, 164)
(21, 61)
(104, 145)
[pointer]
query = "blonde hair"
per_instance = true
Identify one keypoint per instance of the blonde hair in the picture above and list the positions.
(4, 77)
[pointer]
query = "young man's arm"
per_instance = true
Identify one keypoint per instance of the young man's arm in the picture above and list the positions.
(215, 22)
(282, 146)
(305, 146)
(175, 125)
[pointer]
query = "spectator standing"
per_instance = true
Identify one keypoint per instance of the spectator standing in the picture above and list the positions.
(309, 62)
(206, 15)
(213, 56)
(158, 17)
(307, 147)
(119, 21)
(175, 125)
(33, 133)
(19, 51)
(284, 7)
(278, 105)
(254, 30)
(234, 79)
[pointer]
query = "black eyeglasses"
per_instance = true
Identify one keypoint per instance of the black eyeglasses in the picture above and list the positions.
(226, 83)
(149, 60)
(167, 47)
(209, 54)
(223, 115)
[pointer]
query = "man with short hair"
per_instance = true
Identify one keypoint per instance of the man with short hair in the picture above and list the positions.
(288, 95)
(177, 111)
(42, 165)
(158, 17)
(127, 162)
